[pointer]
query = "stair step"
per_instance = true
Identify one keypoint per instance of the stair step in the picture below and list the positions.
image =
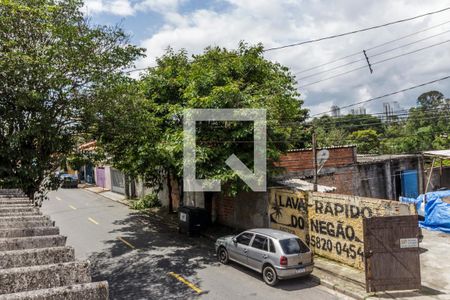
(23, 279)
(15, 201)
(24, 232)
(91, 291)
(29, 242)
(11, 219)
(36, 257)
(28, 224)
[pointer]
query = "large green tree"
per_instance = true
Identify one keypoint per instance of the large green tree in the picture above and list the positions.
(53, 64)
(217, 78)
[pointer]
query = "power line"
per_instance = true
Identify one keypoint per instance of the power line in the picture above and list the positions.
(388, 94)
(355, 31)
(442, 116)
(375, 63)
(371, 48)
(373, 55)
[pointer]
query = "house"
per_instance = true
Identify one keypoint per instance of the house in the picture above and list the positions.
(376, 176)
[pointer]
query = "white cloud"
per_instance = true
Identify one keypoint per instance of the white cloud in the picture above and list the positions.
(122, 8)
(161, 6)
(280, 22)
(115, 7)
(128, 8)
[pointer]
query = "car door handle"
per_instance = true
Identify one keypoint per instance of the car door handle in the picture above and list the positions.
(245, 250)
(265, 256)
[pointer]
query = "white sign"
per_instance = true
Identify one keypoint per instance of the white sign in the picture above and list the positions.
(256, 179)
(409, 243)
(182, 216)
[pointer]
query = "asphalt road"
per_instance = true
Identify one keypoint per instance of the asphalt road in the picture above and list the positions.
(144, 258)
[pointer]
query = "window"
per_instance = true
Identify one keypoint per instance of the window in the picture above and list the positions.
(260, 242)
(293, 246)
(244, 238)
(271, 246)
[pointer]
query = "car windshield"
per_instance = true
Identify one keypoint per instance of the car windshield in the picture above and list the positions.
(293, 246)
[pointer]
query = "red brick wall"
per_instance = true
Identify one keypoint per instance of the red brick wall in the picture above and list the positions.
(342, 180)
(224, 206)
(301, 160)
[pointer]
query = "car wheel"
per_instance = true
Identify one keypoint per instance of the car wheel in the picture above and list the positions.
(270, 276)
(223, 255)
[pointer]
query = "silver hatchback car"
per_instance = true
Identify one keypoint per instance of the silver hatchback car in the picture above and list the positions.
(274, 253)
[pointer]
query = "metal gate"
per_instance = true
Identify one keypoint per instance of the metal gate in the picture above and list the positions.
(100, 176)
(391, 248)
(117, 181)
(410, 184)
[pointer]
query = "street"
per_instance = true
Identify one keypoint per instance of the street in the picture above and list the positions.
(143, 258)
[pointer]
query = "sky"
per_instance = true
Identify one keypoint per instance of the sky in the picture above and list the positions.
(196, 24)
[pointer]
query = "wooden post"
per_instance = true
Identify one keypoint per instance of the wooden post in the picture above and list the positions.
(429, 176)
(314, 151)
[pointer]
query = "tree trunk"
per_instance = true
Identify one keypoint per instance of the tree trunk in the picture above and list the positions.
(127, 186)
(169, 187)
(133, 187)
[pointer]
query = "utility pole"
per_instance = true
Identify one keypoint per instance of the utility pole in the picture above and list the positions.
(314, 152)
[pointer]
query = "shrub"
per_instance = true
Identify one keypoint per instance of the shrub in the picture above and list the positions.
(148, 201)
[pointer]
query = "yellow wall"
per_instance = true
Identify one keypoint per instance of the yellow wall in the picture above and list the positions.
(288, 211)
(332, 223)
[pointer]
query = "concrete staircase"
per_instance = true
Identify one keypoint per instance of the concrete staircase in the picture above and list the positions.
(35, 262)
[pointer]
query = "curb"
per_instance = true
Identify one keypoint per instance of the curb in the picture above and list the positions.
(337, 288)
(344, 278)
(124, 202)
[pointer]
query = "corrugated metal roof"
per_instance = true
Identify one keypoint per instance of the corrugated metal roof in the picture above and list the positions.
(441, 153)
(303, 185)
(321, 148)
(365, 158)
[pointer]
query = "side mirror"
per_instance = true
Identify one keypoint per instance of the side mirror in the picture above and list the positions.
(234, 240)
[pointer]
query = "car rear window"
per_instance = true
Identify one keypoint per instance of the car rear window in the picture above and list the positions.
(271, 246)
(293, 246)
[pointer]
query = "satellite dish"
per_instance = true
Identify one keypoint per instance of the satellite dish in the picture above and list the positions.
(322, 156)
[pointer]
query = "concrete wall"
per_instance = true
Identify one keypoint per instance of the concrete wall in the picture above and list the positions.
(107, 177)
(246, 210)
(288, 211)
(335, 224)
(378, 179)
(330, 223)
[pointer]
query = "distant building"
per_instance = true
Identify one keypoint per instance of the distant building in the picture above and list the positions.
(393, 111)
(335, 111)
(376, 176)
(358, 111)
(387, 111)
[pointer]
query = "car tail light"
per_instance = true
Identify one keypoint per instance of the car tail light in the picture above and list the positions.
(283, 261)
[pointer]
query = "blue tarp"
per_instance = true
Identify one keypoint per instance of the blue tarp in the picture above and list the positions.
(437, 212)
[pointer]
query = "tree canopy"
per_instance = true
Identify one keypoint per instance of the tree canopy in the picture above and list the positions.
(425, 127)
(53, 65)
(217, 78)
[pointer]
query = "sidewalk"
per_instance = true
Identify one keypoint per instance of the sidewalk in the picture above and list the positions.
(106, 193)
